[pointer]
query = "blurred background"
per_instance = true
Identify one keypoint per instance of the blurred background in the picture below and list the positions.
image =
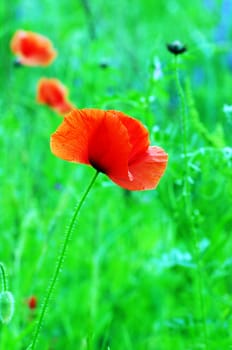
(144, 270)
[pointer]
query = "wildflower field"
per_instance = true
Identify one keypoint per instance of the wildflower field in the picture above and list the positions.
(132, 99)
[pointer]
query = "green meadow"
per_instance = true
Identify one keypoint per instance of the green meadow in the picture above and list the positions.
(144, 270)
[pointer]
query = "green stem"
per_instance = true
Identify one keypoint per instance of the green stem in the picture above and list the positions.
(188, 203)
(200, 285)
(59, 264)
(183, 121)
(89, 17)
(4, 285)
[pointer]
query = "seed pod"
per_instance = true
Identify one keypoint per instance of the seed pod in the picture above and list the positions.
(6, 306)
(176, 47)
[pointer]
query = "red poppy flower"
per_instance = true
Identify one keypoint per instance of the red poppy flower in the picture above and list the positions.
(54, 94)
(114, 144)
(32, 302)
(32, 49)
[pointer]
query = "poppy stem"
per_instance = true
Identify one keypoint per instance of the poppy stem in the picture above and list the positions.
(4, 284)
(59, 264)
(189, 206)
(183, 121)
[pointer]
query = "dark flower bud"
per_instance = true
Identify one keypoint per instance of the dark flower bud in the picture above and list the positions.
(176, 47)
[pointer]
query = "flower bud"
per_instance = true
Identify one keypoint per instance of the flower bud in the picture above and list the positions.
(6, 306)
(176, 47)
(32, 302)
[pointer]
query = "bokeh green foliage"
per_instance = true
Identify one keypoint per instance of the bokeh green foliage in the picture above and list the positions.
(139, 273)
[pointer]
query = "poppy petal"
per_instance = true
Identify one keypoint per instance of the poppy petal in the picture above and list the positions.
(138, 135)
(64, 108)
(70, 141)
(109, 147)
(93, 137)
(32, 49)
(51, 91)
(54, 94)
(15, 43)
(146, 171)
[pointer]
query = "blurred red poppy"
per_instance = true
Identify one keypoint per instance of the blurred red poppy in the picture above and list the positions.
(54, 94)
(32, 49)
(32, 302)
(114, 144)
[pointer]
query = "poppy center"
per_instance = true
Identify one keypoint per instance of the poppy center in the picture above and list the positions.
(99, 167)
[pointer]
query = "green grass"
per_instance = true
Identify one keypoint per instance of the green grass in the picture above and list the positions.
(144, 270)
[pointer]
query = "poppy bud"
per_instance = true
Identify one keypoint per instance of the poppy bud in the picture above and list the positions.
(6, 306)
(176, 47)
(32, 302)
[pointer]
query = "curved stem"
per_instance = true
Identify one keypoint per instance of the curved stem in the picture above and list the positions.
(59, 263)
(189, 205)
(4, 285)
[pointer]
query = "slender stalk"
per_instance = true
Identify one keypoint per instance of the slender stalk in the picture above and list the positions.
(183, 122)
(88, 13)
(4, 285)
(59, 264)
(188, 203)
